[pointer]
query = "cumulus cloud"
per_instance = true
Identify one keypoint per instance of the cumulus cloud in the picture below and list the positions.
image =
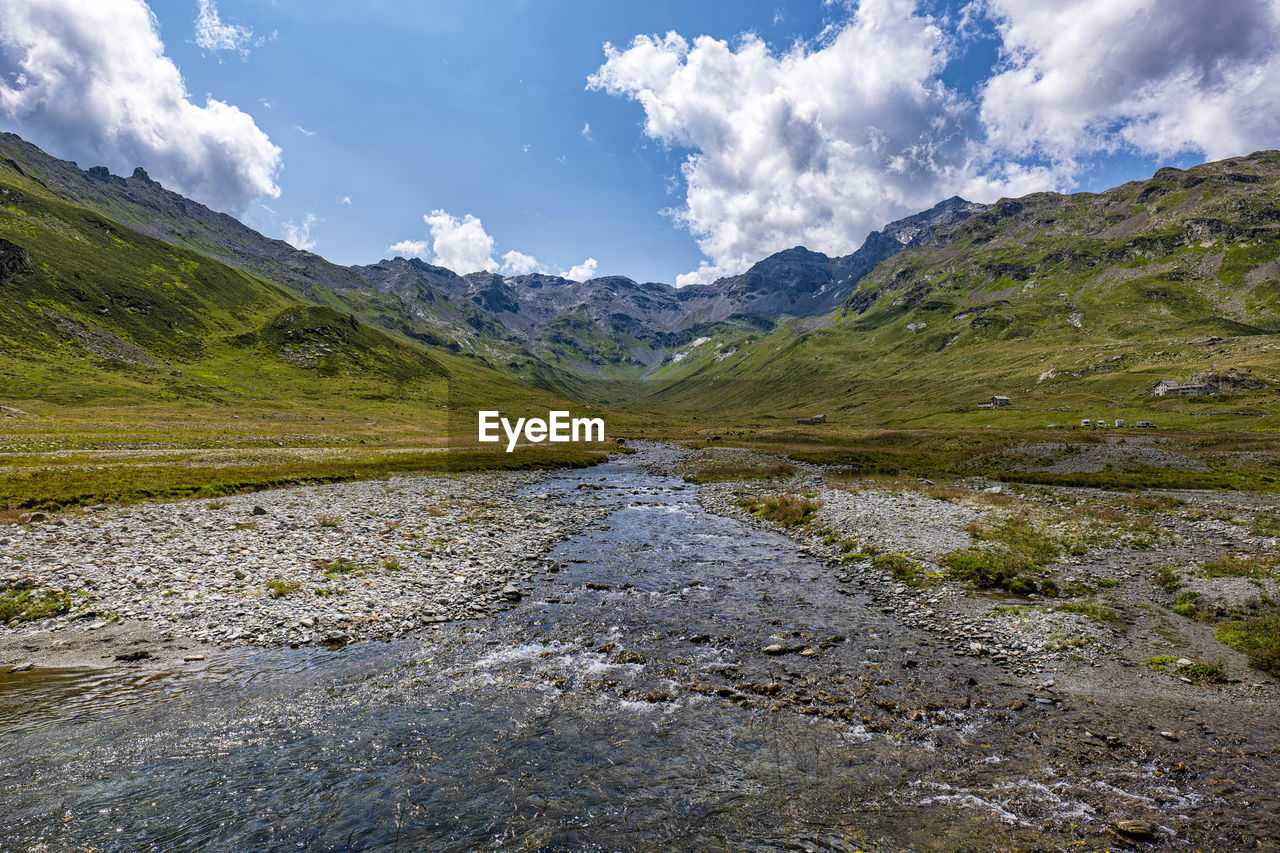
(461, 244)
(828, 139)
(816, 145)
(299, 235)
(582, 271)
(213, 34)
(518, 263)
(1160, 78)
(91, 81)
(411, 249)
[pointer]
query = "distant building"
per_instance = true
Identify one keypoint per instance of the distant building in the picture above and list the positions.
(816, 419)
(997, 402)
(1173, 388)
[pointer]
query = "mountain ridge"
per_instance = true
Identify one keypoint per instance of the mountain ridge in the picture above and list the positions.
(1186, 255)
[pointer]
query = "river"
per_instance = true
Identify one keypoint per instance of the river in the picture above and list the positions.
(627, 703)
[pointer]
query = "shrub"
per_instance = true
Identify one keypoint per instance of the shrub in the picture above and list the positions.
(1166, 577)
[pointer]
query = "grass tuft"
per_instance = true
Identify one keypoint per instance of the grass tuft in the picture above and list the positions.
(1240, 566)
(279, 587)
(1256, 636)
(787, 510)
(902, 567)
(28, 605)
(722, 467)
(1097, 612)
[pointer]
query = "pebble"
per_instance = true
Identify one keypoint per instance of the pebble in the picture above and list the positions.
(1140, 830)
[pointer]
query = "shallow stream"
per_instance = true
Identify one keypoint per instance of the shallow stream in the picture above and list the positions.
(625, 704)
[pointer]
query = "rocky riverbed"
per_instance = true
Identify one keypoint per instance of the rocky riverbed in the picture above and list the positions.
(1110, 607)
(321, 564)
(611, 658)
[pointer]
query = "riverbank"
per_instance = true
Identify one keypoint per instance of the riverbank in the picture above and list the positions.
(318, 564)
(1124, 579)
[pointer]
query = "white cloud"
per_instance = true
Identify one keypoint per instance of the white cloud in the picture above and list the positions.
(814, 146)
(463, 245)
(1160, 78)
(345, 200)
(299, 236)
(518, 263)
(410, 249)
(582, 271)
(818, 144)
(460, 244)
(586, 129)
(303, 130)
(91, 81)
(213, 34)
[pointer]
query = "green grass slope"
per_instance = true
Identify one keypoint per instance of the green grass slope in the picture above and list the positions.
(1072, 305)
(96, 315)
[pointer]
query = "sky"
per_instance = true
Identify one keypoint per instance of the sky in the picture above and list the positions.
(664, 140)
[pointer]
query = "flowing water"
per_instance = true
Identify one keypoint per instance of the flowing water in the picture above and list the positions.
(625, 704)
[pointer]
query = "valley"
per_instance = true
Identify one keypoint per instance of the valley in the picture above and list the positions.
(854, 566)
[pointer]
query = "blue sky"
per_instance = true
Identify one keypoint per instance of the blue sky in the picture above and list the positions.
(473, 108)
(753, 127)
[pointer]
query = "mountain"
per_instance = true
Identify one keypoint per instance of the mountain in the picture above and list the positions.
(1053, 299)
(601, 339)
(147, 207)
(95, 313)
(800, 283)
(1058, 300)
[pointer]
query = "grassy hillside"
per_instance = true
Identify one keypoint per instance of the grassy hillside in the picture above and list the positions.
(1074, 306)
(101, 325)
